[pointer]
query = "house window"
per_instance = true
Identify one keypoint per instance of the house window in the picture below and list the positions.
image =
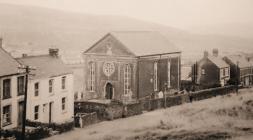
(36, 112)
(227, 72)
(63, 82)
(44, 108)
(155, 76)
(169, 65)
(224, 72)
(36, 89)
(76, 96)
(203, 72)
(21, 85)
(221, 72)
(63, 101)
(91, 79)
(127, 78)
(51, 85)
(7, 115)
(6, 88)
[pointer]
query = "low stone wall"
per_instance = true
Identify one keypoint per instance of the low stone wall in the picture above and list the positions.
(85, 119)
(90, 107)
(132, 109)
(173, 100)
(145, 104)
(116, 109)
(208, 93)
(113, 111)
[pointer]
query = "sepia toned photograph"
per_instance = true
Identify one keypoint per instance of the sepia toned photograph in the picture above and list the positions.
(126, 69)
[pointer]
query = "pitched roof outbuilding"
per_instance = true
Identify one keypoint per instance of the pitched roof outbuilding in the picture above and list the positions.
(8, 65)
(46, 66)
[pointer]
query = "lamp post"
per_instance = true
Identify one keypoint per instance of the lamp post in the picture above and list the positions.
(27, 73)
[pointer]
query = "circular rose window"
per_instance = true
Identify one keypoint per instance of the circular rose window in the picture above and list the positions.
(108, 68)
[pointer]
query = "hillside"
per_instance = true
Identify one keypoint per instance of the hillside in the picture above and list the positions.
(218, 118)
(34, 30)
(233, 29)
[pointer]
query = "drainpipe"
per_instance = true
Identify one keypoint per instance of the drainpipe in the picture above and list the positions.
(179, 73)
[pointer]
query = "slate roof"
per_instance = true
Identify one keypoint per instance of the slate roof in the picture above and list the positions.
(242, 62)
(143, 43)
(218, 61)
(46, 66)
(8, 65)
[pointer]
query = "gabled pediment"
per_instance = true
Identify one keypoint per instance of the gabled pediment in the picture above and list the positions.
(109, 45)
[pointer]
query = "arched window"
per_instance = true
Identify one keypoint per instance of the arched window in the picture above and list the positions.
(91, 78)
(127, 79)
(155, 76)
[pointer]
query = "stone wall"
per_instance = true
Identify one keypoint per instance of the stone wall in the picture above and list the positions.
(84, 119)
(172, 100)
(115, 110)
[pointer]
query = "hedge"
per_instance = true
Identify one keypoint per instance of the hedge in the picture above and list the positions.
(35, 134)
(64, 127)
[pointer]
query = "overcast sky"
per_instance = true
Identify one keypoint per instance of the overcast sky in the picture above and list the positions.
(177, 13)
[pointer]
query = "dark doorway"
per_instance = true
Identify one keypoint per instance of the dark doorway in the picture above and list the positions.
(50, 111)
(20, 113)
(109, 91)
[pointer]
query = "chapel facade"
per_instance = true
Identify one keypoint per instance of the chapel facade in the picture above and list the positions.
(130, 65)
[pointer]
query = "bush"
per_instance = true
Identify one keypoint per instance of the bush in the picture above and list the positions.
(37, 133)
(64, 127)
(232, 81)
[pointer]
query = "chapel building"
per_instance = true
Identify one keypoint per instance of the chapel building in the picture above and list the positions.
(131, 65)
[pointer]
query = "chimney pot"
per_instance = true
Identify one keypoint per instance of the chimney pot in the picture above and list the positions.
(205, 54)
(215, 52)
(24, 55)
(54, 52)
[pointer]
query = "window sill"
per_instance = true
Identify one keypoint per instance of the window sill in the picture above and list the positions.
(64, 111)
(6, 124)
(51, 94)
(64, 90)
(5, 98)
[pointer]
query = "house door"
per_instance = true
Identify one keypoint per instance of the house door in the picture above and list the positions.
(109, 91)
(20, 113)
(51, 111)
(45, 113)
(247, 81)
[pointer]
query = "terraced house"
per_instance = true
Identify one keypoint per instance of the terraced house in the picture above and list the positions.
(12, 85)
(50, 89)
(131, 65)
(211, 71)
(241, 69)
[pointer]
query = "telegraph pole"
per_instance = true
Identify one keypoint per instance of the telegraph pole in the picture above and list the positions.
(27, 72)
(237, 76)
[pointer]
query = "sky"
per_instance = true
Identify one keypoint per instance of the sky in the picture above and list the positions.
(177, 13)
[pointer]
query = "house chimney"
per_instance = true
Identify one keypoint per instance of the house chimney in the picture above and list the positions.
(1, 42)
(215, 52)
(54, 52)
(24, 55)
(205, 54)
